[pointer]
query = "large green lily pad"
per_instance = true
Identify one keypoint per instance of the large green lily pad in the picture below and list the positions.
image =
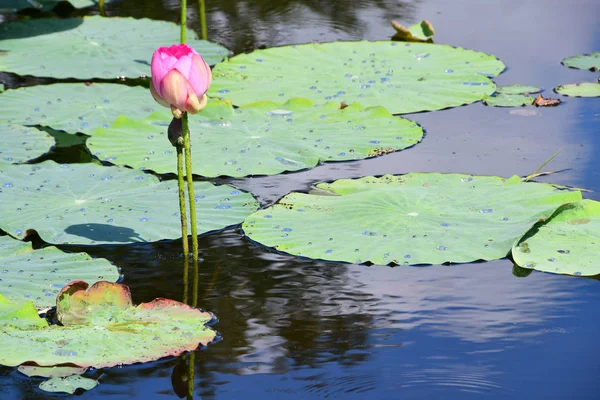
(19, 143)
(107, 330)
(586, 61)
(418, 218)
(568, 243)
(583, 89)
(92, 204)
(94, 47)
(38, 275)
(75, 107)
(402, 77)
(261, 138)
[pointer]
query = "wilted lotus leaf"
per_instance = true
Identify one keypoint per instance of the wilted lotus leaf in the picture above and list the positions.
(38, 275)
(109, 330)
(402, 77)
(91, 47)
(93, 204)
(75, 107)
(421, 32)
(261, 138)
(586, 61)
(583, 89)
(567, 243)
(19, 143)
(418, 218)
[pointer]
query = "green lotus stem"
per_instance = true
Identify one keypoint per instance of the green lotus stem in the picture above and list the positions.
(101, 7)
(183, 20)
(183, 216)
(202, 18)
(191, 197)
(190, 375)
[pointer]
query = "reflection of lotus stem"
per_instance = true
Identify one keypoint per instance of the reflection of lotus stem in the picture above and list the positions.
(202, 18)
(101, 7)
(190, 375)
(183, 215)
(190, 185)
(183, 20)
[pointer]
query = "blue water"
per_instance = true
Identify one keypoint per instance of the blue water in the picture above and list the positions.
(297, 328)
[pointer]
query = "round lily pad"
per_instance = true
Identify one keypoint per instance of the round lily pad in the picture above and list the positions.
(583, 89)
(508, 100)
(518, 89)
(586, 61)
(75, 107)
(261, 138)
(91, 47)
(107, 330)
(92, 204)
(38, 275)
(418, 218)
(20, 144)
(568, 243)
(68, 384)
(402, 77)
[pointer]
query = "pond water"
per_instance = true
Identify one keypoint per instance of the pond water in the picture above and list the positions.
(299, 328)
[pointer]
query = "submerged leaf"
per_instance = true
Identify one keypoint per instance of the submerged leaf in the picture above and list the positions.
(402, 77)
(109, 331)
(567, 243)
(418, 218)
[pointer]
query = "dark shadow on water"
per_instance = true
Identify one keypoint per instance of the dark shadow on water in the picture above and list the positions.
(25, 29)
(105, 233)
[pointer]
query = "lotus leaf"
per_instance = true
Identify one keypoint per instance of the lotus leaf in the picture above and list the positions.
(21, 315)
(50, 372)
(110, 333)
(68, 384)
(508, 100)
(402, 77)
(92, 204)
(586, 61)
(421, 32)
(418, 218)
(75, 107)
(92, 47)
(20, 144)
(261, 138)
(583, 89)
(518, 89)
(38, 275)
(567, 243)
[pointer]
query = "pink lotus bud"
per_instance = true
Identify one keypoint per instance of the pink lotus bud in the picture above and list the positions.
(180, 79)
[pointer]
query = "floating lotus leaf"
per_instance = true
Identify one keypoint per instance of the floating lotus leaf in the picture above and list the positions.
(583, 89)
(92, 204)
(111, 332)
(418, 218)
(568, 243)
(75, 107)
(91, 47)
(518, 89)
(261, 138)
(586, 61)
(46, 5)
(21, 315)
(20, 144)
(508, 100)
(69, 384)
(402, 77)
(38, 275)
(50, 372)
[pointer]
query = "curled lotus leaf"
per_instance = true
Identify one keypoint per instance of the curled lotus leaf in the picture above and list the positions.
(110, 331)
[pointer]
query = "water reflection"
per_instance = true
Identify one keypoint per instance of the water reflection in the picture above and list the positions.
(325, 326)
